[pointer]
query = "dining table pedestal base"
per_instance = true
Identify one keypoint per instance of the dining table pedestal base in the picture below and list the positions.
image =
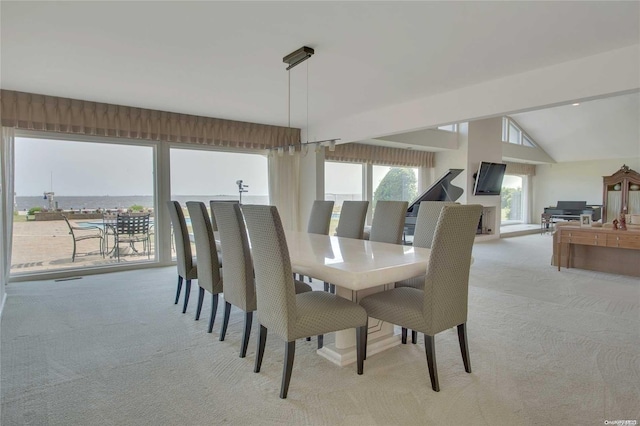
(380, 337)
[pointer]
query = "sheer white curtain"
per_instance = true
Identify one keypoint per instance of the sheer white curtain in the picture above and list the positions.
(6, 204)
(284, 187)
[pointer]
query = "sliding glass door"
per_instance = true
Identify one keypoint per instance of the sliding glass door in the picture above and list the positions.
(63, 189)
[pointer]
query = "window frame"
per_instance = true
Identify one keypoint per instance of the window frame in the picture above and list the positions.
(507, 123)
(161, 157)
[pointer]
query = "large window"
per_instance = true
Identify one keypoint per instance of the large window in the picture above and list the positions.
(81, 180)
(512, 200)
(205, 175)
(342, 182)
(359, 181)
(199, 175)
(395, 183)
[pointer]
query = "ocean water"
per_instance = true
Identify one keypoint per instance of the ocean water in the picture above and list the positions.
(93, 202)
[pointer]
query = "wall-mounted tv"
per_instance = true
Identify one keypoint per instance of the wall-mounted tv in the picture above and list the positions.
(489, 178)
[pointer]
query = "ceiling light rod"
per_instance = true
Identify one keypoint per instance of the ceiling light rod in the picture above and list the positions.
(298, 56)
(322, 141)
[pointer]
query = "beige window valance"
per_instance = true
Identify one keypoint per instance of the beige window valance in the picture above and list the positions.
(520, 169)
(50, 113)
(382, 155)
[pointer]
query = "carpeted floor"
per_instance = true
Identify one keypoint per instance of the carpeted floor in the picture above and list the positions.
(547, 347)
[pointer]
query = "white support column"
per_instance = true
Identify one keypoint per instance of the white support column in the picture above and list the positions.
(162, 170)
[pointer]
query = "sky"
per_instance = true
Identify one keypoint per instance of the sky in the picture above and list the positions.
(82, 168)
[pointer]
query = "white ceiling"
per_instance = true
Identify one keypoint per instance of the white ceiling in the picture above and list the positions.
(224, 59)
(599, 129)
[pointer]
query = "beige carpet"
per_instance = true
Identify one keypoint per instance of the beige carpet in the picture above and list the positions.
(547, 347)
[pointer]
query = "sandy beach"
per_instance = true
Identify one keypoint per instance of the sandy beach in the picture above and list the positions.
(47, 245)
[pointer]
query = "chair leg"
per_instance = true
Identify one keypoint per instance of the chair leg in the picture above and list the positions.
(361, 342)
(414, 337)
(430, 349)
(178, 289)
(308, 338)
(464, 346)
(404, 336)
(187, 291)
(262, 339)
(200, 298)
(225, 320)
(320, 341)
(289, 354)
(248, 321)
(73, 256)
(214, 309)
(326, 286)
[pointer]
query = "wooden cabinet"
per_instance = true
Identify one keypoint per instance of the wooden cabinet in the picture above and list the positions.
(597, 249)
(621, 194)
(624, 240)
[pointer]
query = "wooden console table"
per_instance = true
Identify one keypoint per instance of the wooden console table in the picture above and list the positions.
(598, 249)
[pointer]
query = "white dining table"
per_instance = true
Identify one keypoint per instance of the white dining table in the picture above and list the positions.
(357, 268)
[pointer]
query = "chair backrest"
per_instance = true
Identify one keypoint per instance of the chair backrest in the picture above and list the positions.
(274, 280)
(352, 217)
(388, 221)
(446, 287)
(206, 254)
(181, 238)
(428, 214)
(132, 223)
(320, 217)
(237, 272)
(69, 225)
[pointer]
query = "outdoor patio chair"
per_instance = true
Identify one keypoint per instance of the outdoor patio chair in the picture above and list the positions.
(133, 228)
(84, 233)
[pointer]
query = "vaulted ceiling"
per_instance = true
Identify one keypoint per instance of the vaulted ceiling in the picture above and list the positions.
(224, 59)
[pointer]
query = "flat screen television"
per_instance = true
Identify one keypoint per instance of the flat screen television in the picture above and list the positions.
(489, 178)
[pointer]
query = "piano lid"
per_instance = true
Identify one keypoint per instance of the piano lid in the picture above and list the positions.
(440, 190)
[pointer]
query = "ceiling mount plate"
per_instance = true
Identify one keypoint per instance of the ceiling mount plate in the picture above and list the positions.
(298, 56)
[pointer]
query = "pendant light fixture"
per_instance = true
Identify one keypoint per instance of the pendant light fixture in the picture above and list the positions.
(293, 59)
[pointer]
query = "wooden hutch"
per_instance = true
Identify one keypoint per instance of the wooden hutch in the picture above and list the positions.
(621, 194)
(603, 248)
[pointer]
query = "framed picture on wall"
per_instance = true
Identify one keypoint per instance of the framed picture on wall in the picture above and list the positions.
(585, 220)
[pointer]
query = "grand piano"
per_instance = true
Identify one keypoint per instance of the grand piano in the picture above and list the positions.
(441, 190)
(571, 210)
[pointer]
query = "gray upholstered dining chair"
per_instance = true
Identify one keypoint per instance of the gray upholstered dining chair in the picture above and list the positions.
(428, 214)
(388, 221)
(320, 222)
(292, 316)
(442, 303)
(350, 225)
(209, 276)
(187, 265)
(237, 273)
(352, 217)
(320, 217)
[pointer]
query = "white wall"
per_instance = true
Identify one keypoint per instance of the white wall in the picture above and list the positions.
(525, 154)
(454, 159)
(574, 181)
